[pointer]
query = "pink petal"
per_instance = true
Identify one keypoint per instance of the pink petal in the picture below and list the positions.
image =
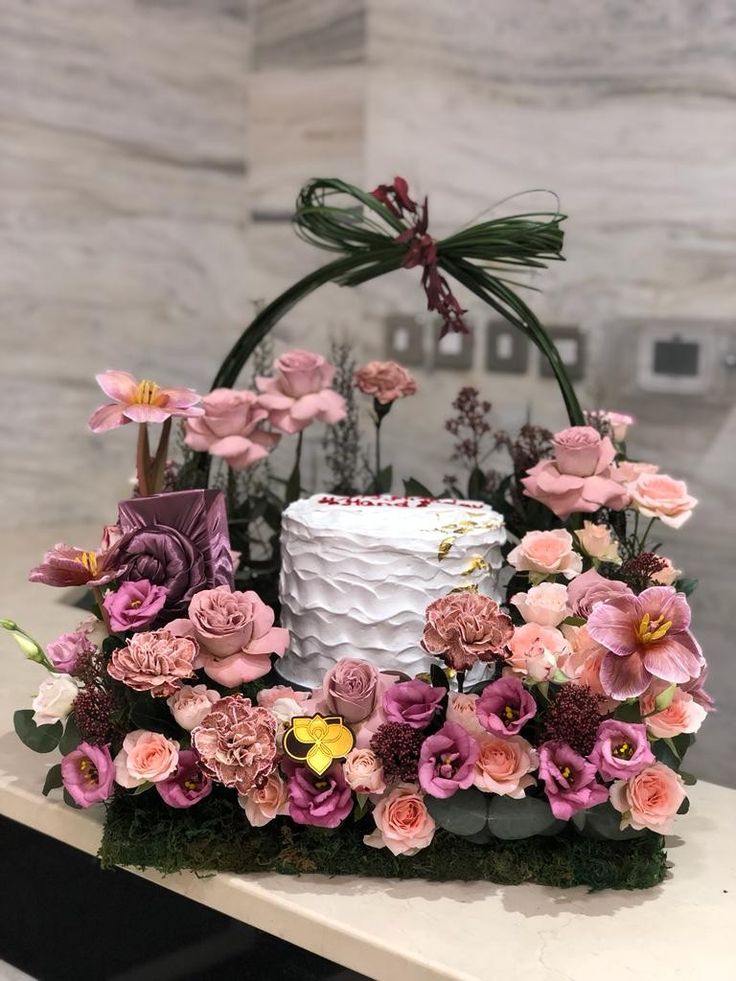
(672, 661)
(181, 398)
(274, 642)
(606, 455)
(613, 628)
(275, 401)
(146, 413)
(283, 420)
(333, 407)
(107, 417)
(665, 601)
(120, 386)
(198, 441)
(188, 413)
(267, 384)
(623, 677)
(307, 408)
(236, 669)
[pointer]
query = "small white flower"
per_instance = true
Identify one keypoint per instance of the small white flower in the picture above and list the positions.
(54, 700)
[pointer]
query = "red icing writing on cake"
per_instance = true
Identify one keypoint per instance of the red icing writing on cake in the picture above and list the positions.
(395, 501)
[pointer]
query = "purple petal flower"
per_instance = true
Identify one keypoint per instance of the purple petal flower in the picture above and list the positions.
(569, 780)
(187, 785)
(621, 750)
(412, 702)
(135, 605)
(447, 760)
(505, 706)
(88, 773)
(323, 801)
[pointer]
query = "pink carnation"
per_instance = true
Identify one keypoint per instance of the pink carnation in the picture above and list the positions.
(154, 661)
(231, 428)
(386, 381)
(299, 393)
(463, 628)
(236, 743)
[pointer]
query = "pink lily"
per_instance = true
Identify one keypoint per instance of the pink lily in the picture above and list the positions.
(66, 565)
(144, 401)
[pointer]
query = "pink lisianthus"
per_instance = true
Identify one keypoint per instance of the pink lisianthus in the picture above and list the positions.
(464, 628)
(155, 661)
(264, 803)
(447, 760)
(545, 604)
(65, 652)
(683, 714)
(323, 801)
(134, 605)
(414, 703)
(300, 392)
(579, 477)
(231, 428)
(236, 742)
(650, 799)
(403, 823)
(66, 565)
(386, 381)
(505, 706)
(655, 495)
(145, 401)
(88, 774)
(548, 553)
(537, 651)
(235, 634)
(646, 637)
(504, 765)
(187, 785)
(569, 780)
(621, 750)
(146, 757)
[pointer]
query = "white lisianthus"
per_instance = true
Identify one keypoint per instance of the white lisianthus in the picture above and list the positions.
(54, 700)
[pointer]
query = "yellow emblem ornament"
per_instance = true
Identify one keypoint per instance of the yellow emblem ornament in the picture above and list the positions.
(318, 741)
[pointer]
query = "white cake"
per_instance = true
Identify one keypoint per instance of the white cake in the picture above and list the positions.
(358, 573)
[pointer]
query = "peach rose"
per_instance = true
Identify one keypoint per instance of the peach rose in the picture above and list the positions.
(598, 543)
(655, 495)
(545, 604)
(548, 553)
(231, 428)
(537, 651)
(627, 471)
(683, 714)
(146, 757)
(618, 423)
(461, 708)
(504, 765)
(263, 804)
(386, 381)
(191, 703)
(364, 772)
(667, 575)
(403, 823)
(650, 799)
(300, 392)
(583, 665)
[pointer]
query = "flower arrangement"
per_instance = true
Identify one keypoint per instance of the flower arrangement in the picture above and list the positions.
(563, 764)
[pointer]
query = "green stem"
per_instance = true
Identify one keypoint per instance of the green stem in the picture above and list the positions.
(294, 483)
(378, 451)
(646, 533)
(158, 464)
(143, 461)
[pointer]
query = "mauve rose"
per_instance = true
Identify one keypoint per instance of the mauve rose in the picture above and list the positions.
(591, 588)
(350, 689)
(463, 628)
(88, 774)
(187, 785)
(191, 703)
(447, 761)
(134, 605)
(146, 757)
(300, 392)
(323, 801)
(65, 651)
(262, 804)
(621, 750)
(231, 428)
(651, 799)
(386, 381)
(412, 702)
(578, 450)
(569, 780)
(154, 661)
(237, 743)
(403, 823)
(505, 706)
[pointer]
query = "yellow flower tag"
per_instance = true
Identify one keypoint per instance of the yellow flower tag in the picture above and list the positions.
(317, 741)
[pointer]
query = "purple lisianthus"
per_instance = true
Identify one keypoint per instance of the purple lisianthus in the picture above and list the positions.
(135, 605)
(447, 761)
(88, 773)
(65, 651)
(505, 706)
(412, 702)
(187, 785)
(569, 780)
(323, 801)
(621, 750)
(179, 541)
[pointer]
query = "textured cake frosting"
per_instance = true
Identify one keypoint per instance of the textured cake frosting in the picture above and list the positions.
(358, 573)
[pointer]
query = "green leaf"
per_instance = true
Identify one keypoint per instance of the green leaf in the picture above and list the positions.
(684, 807)
(689, 779)
(603, 821)
(142, 789)
(682, 743)
(438, 677)
(72, 737)
(30, 648)
(686, 585)
(384, 480)
(152, 714)
(414, 488)
(664, 699)
(511, 819)
(665, 753)
(628, 712)
(53, 780)
(476, 484)
(294, 483)
(70, 802)
(41, 739)
(463, 814)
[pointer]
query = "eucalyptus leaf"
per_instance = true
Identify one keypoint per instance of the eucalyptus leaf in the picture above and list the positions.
(70, 802)
(604, 821)
(71, 738)
(463, 814)
(511, 819)
(41, 739)
(684, 807)
(53, 780)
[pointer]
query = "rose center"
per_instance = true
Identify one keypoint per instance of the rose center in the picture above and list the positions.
(650, 630)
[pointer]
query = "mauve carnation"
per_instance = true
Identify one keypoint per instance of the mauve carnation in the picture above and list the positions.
(447, 761)
(591, 588)
(154, 661)
(579, 478)
(237, 743)
(65, 651)
(351, 689)
(505, 706)
(134, 605)
(88, 774)
(621, 750)
(231, 428)
(463, 628)
(264, 803)
(187, 785)
(569, 780)
(403, 823)
(299, 392)
(412, 702)
(386, 381)
(323, 801)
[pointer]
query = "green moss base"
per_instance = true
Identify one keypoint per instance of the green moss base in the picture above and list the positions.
(214, 836)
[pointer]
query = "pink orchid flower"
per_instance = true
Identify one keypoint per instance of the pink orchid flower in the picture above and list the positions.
(143, 401)
(66, 565)
(646, 637)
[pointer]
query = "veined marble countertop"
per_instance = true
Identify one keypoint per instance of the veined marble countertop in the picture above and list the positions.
(409, 930)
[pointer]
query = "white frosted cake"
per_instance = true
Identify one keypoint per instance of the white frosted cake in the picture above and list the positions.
(358, 573)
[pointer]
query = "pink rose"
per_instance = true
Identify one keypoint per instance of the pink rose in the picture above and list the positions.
(231, 428)
(462, 709)
(146, 757)
(235, 634)
(364, 772)
(403, 823)
(191, 703)
(154, 661)
(655, 495)
(504, 765)
(262, 804)
(650, 799)
(579, 477)
(464, 628)
(667, 575)
(267, 696)
(583, 665)
(683, 714)
(627, 471)
(236, 743)
(591, 588)
(545, 604)
(300, 392)
(386, 381)
(547, 553)
(598, 542)
(537, 651)
(619, 424)
(351, 689)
